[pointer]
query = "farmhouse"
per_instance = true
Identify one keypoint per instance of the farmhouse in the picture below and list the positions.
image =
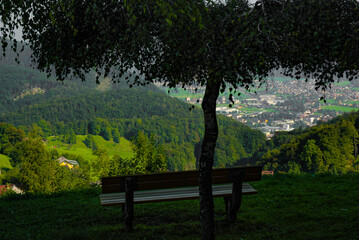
(4, 188)
(68, 163)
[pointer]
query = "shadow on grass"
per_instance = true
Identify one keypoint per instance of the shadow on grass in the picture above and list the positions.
(90, 191)
(317, 207)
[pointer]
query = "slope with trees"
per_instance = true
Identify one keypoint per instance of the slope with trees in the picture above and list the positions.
(35, 167)
(326, 148)
(123, 112)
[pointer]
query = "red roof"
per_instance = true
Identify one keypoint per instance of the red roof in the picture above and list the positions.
(3, 189)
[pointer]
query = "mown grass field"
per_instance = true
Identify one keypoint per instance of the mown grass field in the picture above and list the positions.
(328, 101)
(353, 102)
(4, 162)
(287, 207)
(342, 83)
(339, 108)
(123, 149)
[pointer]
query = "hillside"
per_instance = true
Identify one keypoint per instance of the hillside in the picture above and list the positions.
(123, 149)
(21, 86)
(287, 207)
(4, 162)
(328, 147)
(109, 110)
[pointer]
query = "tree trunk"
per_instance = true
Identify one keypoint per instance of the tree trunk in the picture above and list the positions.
(207, 158)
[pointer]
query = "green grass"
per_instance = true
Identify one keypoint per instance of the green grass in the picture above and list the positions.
(329, 101)
(287, 207)
(5, 162)
(123, 149)
(352, 102)
(343, 83)
(339, 108)
(249, 109)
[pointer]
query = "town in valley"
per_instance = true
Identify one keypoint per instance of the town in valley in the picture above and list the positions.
(281, 104)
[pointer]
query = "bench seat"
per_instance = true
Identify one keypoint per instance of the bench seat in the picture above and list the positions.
(222, 190)
(128, 190)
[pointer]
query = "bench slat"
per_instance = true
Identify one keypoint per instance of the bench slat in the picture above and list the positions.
(177, 179)
(110, 199)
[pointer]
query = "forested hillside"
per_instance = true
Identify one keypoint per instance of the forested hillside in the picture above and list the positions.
(326, 148)
(113, 111)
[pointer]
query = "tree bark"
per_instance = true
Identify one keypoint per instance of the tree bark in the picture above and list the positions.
(207, 159)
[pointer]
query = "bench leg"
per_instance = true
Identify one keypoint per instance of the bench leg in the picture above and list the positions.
(233, 203)
(128, 210)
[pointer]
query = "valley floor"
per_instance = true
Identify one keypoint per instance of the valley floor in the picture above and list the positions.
(287, 207)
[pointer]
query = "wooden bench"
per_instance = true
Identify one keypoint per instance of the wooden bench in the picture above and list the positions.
(130, 189)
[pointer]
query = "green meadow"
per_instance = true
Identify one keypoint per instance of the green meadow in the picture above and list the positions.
(342, 83)
(250, 109)
(123, 148)
(4, 162)
(353, 102)
(339, 108)
(329, 101)
(293, 207)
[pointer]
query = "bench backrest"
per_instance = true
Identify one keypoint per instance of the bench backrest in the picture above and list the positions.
(178, 179)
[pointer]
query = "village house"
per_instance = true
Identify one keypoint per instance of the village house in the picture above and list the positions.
(12, 187)
(68, 163)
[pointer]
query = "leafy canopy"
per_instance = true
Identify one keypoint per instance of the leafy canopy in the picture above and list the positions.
(185, 42)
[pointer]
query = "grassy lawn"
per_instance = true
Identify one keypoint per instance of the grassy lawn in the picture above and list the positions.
(249, 109)
(287, 207)
(329, 101)
(5, 162)
(123, 149)
(343, 83)
(353, 102)
(339, 108)
(224, 105)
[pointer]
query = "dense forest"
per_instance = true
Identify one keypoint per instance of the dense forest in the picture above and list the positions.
(330, 147)
(114, 111)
